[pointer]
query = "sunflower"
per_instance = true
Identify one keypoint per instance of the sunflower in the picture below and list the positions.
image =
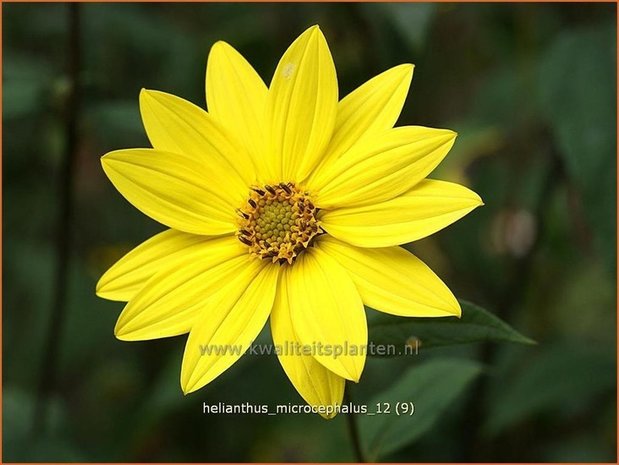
(282, 203)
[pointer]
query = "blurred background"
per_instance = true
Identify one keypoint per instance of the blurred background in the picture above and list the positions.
(531, 90)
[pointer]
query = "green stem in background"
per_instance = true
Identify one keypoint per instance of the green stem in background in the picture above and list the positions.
(49, 363)
(353, 428)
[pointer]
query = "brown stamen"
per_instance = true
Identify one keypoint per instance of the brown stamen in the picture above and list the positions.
(278, 222)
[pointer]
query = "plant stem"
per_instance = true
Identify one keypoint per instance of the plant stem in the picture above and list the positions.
(49, 364)
(353, 429)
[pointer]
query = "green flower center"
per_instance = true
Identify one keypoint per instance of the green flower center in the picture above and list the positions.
(278, 222)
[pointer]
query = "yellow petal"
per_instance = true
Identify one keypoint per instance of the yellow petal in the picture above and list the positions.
(168, 303)
(234, 318)
(178, 126)
(371, 108)
(428, 207)
(236, 97)
(317, 385)
(393, 280)
(382, 167)
(326, 309)
(129, 274)
(302, 105)
(173, 189)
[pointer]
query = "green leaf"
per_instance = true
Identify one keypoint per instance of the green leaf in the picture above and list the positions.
(577, 90)
(431, 387)
(475, 325)
(562, 378)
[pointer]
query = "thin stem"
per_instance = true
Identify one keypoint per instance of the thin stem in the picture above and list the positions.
(353, 429)
(49, 367)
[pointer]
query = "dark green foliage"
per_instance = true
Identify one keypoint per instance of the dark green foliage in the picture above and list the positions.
(531, 90)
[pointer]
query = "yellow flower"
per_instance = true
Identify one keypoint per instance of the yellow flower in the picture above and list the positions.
(282, 202)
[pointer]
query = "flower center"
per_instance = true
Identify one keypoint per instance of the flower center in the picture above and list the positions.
(278, 222)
